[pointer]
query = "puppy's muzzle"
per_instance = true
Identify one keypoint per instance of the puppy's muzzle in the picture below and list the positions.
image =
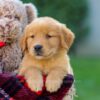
(38, 49)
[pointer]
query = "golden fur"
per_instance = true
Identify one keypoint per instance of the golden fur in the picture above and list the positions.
(56, 39)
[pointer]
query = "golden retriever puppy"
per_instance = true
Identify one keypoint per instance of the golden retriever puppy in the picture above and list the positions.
(45, 45)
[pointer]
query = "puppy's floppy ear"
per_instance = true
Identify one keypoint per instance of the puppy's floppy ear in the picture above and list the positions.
(31, 12)
(67, 37)
(23, 41)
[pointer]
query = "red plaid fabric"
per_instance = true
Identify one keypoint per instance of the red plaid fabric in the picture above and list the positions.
(13, 88)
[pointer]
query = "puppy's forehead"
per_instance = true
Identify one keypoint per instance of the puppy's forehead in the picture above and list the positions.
(44, 25)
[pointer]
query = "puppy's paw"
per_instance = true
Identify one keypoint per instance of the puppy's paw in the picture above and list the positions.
(35, 84)
(52, 85)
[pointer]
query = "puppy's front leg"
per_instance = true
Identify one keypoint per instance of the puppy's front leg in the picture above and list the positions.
(55, 79)
(34, 79)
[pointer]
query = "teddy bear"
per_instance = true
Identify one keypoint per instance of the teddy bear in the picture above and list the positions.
(14, 16)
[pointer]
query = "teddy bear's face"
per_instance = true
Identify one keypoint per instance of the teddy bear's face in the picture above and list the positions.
(10, 30)
(13, 19)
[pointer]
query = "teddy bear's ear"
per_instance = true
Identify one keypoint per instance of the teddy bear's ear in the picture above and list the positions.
(31, 11)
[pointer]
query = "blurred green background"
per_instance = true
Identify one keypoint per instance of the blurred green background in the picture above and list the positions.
(87, 71)
(76, 14)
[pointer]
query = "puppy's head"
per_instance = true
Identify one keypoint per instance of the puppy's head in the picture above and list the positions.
(45, 37)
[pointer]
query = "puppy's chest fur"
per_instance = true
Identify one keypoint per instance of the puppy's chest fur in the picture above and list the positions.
(45, 65)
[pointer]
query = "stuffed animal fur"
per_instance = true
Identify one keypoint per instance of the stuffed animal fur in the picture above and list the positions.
(14, 16)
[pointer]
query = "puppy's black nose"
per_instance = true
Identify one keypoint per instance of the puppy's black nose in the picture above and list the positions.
(38, 48)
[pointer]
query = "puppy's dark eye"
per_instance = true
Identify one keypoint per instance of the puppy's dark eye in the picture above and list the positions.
(48, 36)
(32, 36)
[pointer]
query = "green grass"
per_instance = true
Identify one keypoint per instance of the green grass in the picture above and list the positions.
(87, 75)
